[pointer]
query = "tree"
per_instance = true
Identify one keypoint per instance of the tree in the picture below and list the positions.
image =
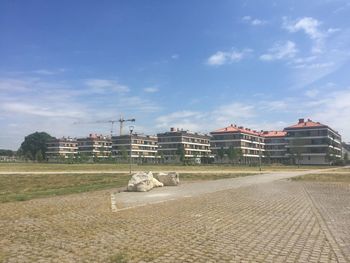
(4, 152)
(231, 153)
(161, 156)
(346, 157)
(268, 157)
(221, 153)
(123, 153)
(296, 148)
(181, 153)
(239, 155)
(34, 143)
(39, 156)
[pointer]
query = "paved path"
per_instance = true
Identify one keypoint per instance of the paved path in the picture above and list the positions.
(125, 200)
(270, 221)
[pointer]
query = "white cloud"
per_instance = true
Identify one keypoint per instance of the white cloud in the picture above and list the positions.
(333, 109)
(13, 85)
(36, 104)
(46, 111)
(151, 89)
(280, 50)
(253, 21)
(333, 30)
(106, 85)
(312, 93)
(48, 71)
(311, 27)
(207, 121)
(175, 56)
(222, 57)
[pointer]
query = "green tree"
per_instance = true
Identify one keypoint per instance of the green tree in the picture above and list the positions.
(4, 152)
(231, 154)
(123, 153)
(239, 155)
(33, 143)
(181, 153)
(221, 153)
(39, 156)
(267, 157)
(161, 157)
(296, 148)
(346, 158)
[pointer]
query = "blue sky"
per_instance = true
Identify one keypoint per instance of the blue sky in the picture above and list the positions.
(197, 65)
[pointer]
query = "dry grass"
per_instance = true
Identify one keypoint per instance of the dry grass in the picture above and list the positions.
(211, 176)
(20, 187)
(46, 167)
(324, 177)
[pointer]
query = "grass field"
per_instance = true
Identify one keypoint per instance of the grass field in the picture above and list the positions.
(46, 167)
(41, 180)
(324, 177)
(22, 187)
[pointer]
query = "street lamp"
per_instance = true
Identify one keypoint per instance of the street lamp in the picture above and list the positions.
(259, 154)
(131, 129)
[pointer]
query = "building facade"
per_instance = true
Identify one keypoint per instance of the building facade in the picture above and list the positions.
(63, 148)
(179, 144)
(95, 146)
(143, 148)
(248, 145)
(310, 142)
(275, 146)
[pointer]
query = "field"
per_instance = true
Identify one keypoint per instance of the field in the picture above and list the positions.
(25, 181)
(242, 223)
(343, 177)
(45, 167)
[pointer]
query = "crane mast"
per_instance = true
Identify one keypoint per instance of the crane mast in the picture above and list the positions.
(121, 121)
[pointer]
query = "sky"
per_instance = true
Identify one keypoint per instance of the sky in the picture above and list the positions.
(67, 67)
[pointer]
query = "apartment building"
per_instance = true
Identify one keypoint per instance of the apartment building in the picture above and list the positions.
(95, 146)
(310, 142)
(177, 144)
(275, 146)
(62, 148)
(249, 145)
(143, 148)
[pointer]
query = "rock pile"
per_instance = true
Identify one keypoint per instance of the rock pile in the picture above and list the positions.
(168, 179)
(143, 182)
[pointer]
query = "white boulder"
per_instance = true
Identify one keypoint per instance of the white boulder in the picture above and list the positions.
(168, 179)
(142, 182)
(156, 183)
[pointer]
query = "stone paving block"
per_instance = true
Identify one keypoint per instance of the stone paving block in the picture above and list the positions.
(279, 221)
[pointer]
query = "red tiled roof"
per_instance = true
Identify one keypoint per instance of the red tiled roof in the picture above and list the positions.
(273, 133)
(235, 129)
(306, 124)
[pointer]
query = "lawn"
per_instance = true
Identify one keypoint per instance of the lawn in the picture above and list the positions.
(324, 177)
(46, 167)
(22, 187)
(19, 187)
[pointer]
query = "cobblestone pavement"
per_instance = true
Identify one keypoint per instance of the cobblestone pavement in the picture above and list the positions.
(279, 221)
(333, 203)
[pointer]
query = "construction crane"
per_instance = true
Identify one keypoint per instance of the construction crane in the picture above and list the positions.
(112, 122)
(121, 123)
